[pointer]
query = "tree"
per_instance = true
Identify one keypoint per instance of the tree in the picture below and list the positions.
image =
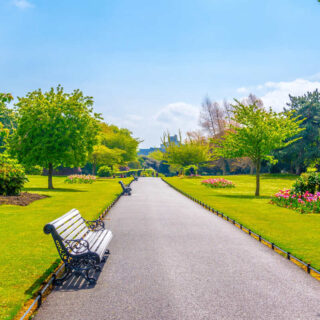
(306, 151)
(54, 128)
(7, 119)
(258, 133)
(156, 155)
(114, 138)
(102, 155)
(191, 152)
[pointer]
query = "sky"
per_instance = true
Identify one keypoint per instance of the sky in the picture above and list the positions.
(149, 64)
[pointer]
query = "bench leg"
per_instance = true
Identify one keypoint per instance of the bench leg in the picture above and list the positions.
(65, 276)
(88, 278)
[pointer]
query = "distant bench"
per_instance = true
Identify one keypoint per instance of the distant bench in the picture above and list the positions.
(126, 190)
(81, 244)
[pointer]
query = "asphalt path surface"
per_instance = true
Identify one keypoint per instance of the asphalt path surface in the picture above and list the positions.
(172, 259)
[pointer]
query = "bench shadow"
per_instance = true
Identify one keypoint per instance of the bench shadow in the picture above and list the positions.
(54, 190)
(75, 283)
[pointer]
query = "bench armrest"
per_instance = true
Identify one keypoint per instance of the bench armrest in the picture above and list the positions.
(95, 225)
(78, 246)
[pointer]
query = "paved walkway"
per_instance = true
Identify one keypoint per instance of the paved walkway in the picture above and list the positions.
(172, 259)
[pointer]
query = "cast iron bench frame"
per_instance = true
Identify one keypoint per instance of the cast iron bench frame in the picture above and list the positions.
(81, 244)
(126, 190)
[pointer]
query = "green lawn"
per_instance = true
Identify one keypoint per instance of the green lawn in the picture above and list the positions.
(292, 231)
(27, 254)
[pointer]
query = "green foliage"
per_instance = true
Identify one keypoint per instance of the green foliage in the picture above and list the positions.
(134, 164)
(191, 152)
(121, 140)
(305, 151)
(309, 181)
(156, 155)
(7, 119)
(190, 170)
(12, 176)
(33, 170)
(54, 128)
(257, 134)
(105, 171)
(148, 173)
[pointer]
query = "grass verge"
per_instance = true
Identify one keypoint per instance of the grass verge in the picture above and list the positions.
(290, 230)
(28, 256)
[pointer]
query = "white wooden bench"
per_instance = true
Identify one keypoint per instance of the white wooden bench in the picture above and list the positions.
(81, 244)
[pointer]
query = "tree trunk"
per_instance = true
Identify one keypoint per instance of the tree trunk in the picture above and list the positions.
(251, 168)
(93, 169)
(224, 167)
(50, 173)
(258, 166)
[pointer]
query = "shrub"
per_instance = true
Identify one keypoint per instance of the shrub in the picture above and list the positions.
(304, 203)
(309, 181)
(190, 170)
(12, 176)
(105, 171)
(35, 170)
(218, 183)
(80, 178)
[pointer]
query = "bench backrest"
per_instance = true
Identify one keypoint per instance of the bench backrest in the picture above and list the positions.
(122, 185)
(67, 227)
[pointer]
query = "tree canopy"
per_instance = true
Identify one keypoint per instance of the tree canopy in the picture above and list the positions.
(258, 132)
(54, 128)
(7, 119)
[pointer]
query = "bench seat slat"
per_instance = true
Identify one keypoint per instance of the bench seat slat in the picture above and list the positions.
(67, 224)
(72, 228)
(92, 237)
(103, 246)
(60, 221)
(75, 234)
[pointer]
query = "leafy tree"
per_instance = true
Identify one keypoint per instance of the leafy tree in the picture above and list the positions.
(156, 155)
(121, 139)
(305, 151)
(7, 118)
(191, 152)
(103, 155)
(54, 128)
(258, 133)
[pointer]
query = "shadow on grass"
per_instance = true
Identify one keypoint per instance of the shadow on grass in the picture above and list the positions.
(36, 285)
(278, 176)
(241, 196)
(54, 190)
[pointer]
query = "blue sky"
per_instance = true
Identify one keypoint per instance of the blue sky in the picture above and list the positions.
(149, 64)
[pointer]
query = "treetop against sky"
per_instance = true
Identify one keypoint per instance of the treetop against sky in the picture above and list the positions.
(149, 64)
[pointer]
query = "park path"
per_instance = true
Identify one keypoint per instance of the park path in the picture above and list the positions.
(172, 259)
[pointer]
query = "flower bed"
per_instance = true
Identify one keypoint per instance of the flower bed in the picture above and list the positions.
(79, 178)
(304, 203)
(218, 183)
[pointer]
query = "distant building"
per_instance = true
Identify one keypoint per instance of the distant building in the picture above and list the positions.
(145, 152)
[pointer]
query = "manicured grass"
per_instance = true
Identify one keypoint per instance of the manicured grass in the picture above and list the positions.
(292, 231)
(27, 254)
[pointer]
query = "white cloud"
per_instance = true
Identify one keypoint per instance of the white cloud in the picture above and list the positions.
(172, 117)
(276, 94)
(23, 4)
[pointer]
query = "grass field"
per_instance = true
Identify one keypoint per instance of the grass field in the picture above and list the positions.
(292, 231)
(27, 254)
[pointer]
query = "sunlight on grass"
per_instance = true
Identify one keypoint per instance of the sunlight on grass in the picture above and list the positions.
(26, 252)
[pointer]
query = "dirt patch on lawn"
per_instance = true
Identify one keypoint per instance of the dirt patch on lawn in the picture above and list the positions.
(22, 200)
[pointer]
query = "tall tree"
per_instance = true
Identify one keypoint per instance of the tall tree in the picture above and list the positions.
(7, 118)
(54, 128)
(189, 152)
(307, 150)
(258, 133)
(121, 139)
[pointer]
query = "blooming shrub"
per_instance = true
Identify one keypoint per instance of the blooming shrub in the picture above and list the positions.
(78, 178)
(218, 183)
(309, 181)
(12, 176)
(304, 203)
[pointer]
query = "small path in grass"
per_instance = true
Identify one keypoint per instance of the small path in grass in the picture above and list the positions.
(172, 259)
